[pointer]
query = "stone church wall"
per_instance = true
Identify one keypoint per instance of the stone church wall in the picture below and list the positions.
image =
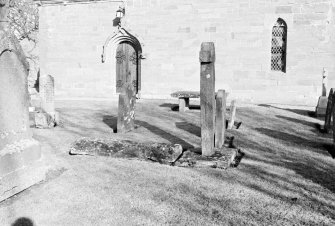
(171, 32)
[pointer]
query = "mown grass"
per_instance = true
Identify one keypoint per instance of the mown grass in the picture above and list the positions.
(287, 176)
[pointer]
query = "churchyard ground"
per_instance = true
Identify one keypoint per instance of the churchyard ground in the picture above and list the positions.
(287, 176)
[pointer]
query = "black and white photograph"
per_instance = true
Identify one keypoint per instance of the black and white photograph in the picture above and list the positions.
(167, 112)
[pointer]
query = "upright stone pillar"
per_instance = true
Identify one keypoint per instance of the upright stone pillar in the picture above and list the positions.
(322, 102)
(20, 155)
(48, 117)
(220, 118)
(126, 109)
(207, 97)
(47, 93)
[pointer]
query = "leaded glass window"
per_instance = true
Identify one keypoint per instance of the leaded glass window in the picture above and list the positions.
(278, 46)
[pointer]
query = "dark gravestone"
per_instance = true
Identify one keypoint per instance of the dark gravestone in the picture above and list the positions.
(207, 97)
(329, 111)
(220, 118)
(20, 155)
(126, 110)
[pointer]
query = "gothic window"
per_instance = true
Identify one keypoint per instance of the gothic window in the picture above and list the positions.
(278, 46)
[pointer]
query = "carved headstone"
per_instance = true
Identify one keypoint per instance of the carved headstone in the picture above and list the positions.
(47, 93)
(19, 153)
(47, 96)
(126, 110)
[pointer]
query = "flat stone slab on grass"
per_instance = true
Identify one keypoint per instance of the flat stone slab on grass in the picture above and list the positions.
(158, 152)
(163, 153)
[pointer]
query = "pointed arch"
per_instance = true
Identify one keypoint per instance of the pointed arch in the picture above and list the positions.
(123, 36)
(279, 46)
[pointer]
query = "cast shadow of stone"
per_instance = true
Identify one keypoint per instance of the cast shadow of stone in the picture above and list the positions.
(316, 126)
(286, 137)
(111, 121)
(23, 221)
(297, 111)
(304, 164)
(190, 128)
(175, 107)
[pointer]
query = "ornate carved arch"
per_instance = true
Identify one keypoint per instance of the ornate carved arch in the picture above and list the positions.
(122, 36)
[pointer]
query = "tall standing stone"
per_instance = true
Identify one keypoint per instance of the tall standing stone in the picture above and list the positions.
(126, 110)
(207, 97)
(220, 118)
(20, 155)
(329, 111)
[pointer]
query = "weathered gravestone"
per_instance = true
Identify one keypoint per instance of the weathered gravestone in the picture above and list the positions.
(207, 97)
(48, 117)
(321, 107)
(126, 110)
(232, 114)
(47, 93)
(20, 155)
(220, 118)
(329, 111)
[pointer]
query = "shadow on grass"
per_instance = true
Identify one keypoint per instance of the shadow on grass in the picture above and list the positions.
(175, 107)
(297, 111)
(316, 126)
(289, 138)
(111, 121)
(190, 128)
(162, 133)
(299, 121)
(318, 170)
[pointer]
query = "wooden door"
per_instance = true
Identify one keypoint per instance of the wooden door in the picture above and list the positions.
(126, 67)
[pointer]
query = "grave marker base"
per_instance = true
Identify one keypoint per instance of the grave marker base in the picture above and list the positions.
(21, 166)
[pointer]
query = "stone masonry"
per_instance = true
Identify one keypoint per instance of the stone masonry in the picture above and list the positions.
(20, 154)
(171, 32)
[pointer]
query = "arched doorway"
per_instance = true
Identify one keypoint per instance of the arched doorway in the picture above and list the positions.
(128, 64)
(127, 67)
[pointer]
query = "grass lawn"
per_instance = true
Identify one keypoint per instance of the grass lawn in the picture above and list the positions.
(287, 176)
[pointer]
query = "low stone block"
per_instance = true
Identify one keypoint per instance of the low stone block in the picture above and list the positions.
(44, 120)
(19, 154)
(22, 179)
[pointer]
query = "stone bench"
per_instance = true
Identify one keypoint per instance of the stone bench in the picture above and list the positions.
(184, 98)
